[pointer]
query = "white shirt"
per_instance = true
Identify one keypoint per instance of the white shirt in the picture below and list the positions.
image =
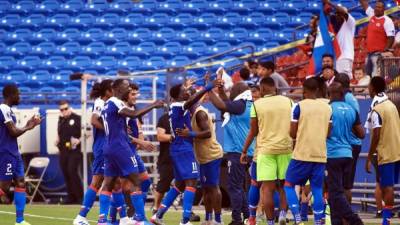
(345, 38)
(388, 25)
(376, 120)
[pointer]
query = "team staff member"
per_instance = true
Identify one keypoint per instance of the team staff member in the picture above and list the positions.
(68, 143)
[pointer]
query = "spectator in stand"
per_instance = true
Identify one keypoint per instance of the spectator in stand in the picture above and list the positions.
(267, 69)
(307, 48)
(380, 35)
(328, 73)
(396, 22)
(360, 79)
(344, 26)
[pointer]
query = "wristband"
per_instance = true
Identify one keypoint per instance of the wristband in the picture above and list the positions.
(209, 87)
(192, 134)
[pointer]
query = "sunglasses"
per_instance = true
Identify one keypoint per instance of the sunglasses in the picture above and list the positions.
(64, 109)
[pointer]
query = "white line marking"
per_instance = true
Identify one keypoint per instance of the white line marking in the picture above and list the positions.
(43, 217)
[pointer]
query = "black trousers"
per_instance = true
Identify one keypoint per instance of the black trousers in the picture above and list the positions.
(71, 166)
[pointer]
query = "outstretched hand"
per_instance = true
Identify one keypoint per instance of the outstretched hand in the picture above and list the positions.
(159, 104)
(147, 146)
(182, 132)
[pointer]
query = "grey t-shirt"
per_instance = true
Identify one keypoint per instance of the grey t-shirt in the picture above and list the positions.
(280, 82)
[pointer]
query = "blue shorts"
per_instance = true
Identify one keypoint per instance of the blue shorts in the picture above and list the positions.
(389, 174)
(11, 166)
(120, 164)
(298, 172)
(253, 171)
(139, 160)
(209, 173)
(98, 165)
(185, 166)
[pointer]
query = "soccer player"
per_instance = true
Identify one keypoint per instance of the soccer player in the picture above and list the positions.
(385, 142)
(309, 127)
(119, 160)
(101, 92)
(209, 155)
(345, 121)
(270, 122)
(181, 151)
(11, 164)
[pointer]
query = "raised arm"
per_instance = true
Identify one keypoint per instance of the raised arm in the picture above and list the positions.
(16, 132)
(217, 101)
(364, 4)
(140, 112)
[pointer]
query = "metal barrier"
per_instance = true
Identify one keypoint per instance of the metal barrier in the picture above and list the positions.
(389, 68)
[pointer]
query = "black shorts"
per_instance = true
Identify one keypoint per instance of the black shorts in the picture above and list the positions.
(166, 172)
(356, 153)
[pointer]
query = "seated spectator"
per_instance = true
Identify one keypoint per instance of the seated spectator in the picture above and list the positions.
(361, 79)
(267, 69)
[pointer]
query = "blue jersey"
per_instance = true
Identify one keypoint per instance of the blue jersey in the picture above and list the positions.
(352, 101)
(344, 117)
(115, 127)
(8, 143)
(132, 125)
(180, 118)
(98, 134)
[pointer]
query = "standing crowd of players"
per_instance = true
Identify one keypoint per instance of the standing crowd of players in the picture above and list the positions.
(311, 142)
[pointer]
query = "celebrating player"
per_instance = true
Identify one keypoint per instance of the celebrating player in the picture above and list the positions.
(11, 164)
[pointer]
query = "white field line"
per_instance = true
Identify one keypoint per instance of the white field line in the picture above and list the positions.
(43, 217)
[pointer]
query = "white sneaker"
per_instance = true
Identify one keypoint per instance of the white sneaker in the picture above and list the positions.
(126, 221)
(156, 220)
(188, 223)
(80, 220)
(215, 223)
(23, 223)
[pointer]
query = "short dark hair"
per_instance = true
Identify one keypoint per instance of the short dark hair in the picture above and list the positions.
(251, 63)
(343, 79)
(267, 81)
(134, 86)
(63, 102)
(321, 85)
(327, 55)
(244, 73)
(175, 91)
(117, 83)
(10, 90)
(96, 91)
(379, 84)
(268, 65)
(359, 68)
(311, 85)
(106, 85)
(255, 87)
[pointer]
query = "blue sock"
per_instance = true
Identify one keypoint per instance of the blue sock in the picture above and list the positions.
(105, 201)
(20, 201)
(386, 215)
(254, 198)
(218, 217)
(113, 211)
(145, 186)
(270, 222)
(318, 205)
(293, 202)
(304, 211)
(137, 201)
(167, 201)
(119, 200)
(188, 197)
(88, 200)
(208, 216)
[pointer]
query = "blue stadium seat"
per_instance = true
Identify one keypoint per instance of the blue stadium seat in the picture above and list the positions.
(2, 47)
(68, 35)
(144, 49)
(347, 3)
(79, 63)
(5, 7)
(144, 6)
(163, 35)
(44, 49)
(195, 6)
(105, 63)
(93, 34)
(253, 20)
(71, 7)
(116, 34)
(220, 47)
(33, 21)
(357, 15)
(296, 21)
(36, 79)
(3, 35)
(169, 49)
(46, 95)
(22, 7)
(237, 35)
(6, 62)
(241, 52)
(212, 35)
(54, 63)
(205, 20)
(293, 7)
(187, 35)
(119, 49)
(170, 6)
(47, 7)
(19, 49)
(18, 35)
(139, 35)
(10, 21)
(46, 34)
(132, 20)
(130, 63)
(179, 61)
(229, 20)
(16, 76)
(96, 7)
(220, 6)
(107, 20)
(28, 63)
(277, 20)
(155, 62)
(300, 34)
(58, 80)
(69, 49)
(121, 6)
(157, 20)
(313, 6)
(83, 20)
(180, 21)
(58, 21)
(245, 6)
(260, 36)
(305, 17)
(270, 6)
(71, 94)
(26, 93)
(284, 35)
(196, 49)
